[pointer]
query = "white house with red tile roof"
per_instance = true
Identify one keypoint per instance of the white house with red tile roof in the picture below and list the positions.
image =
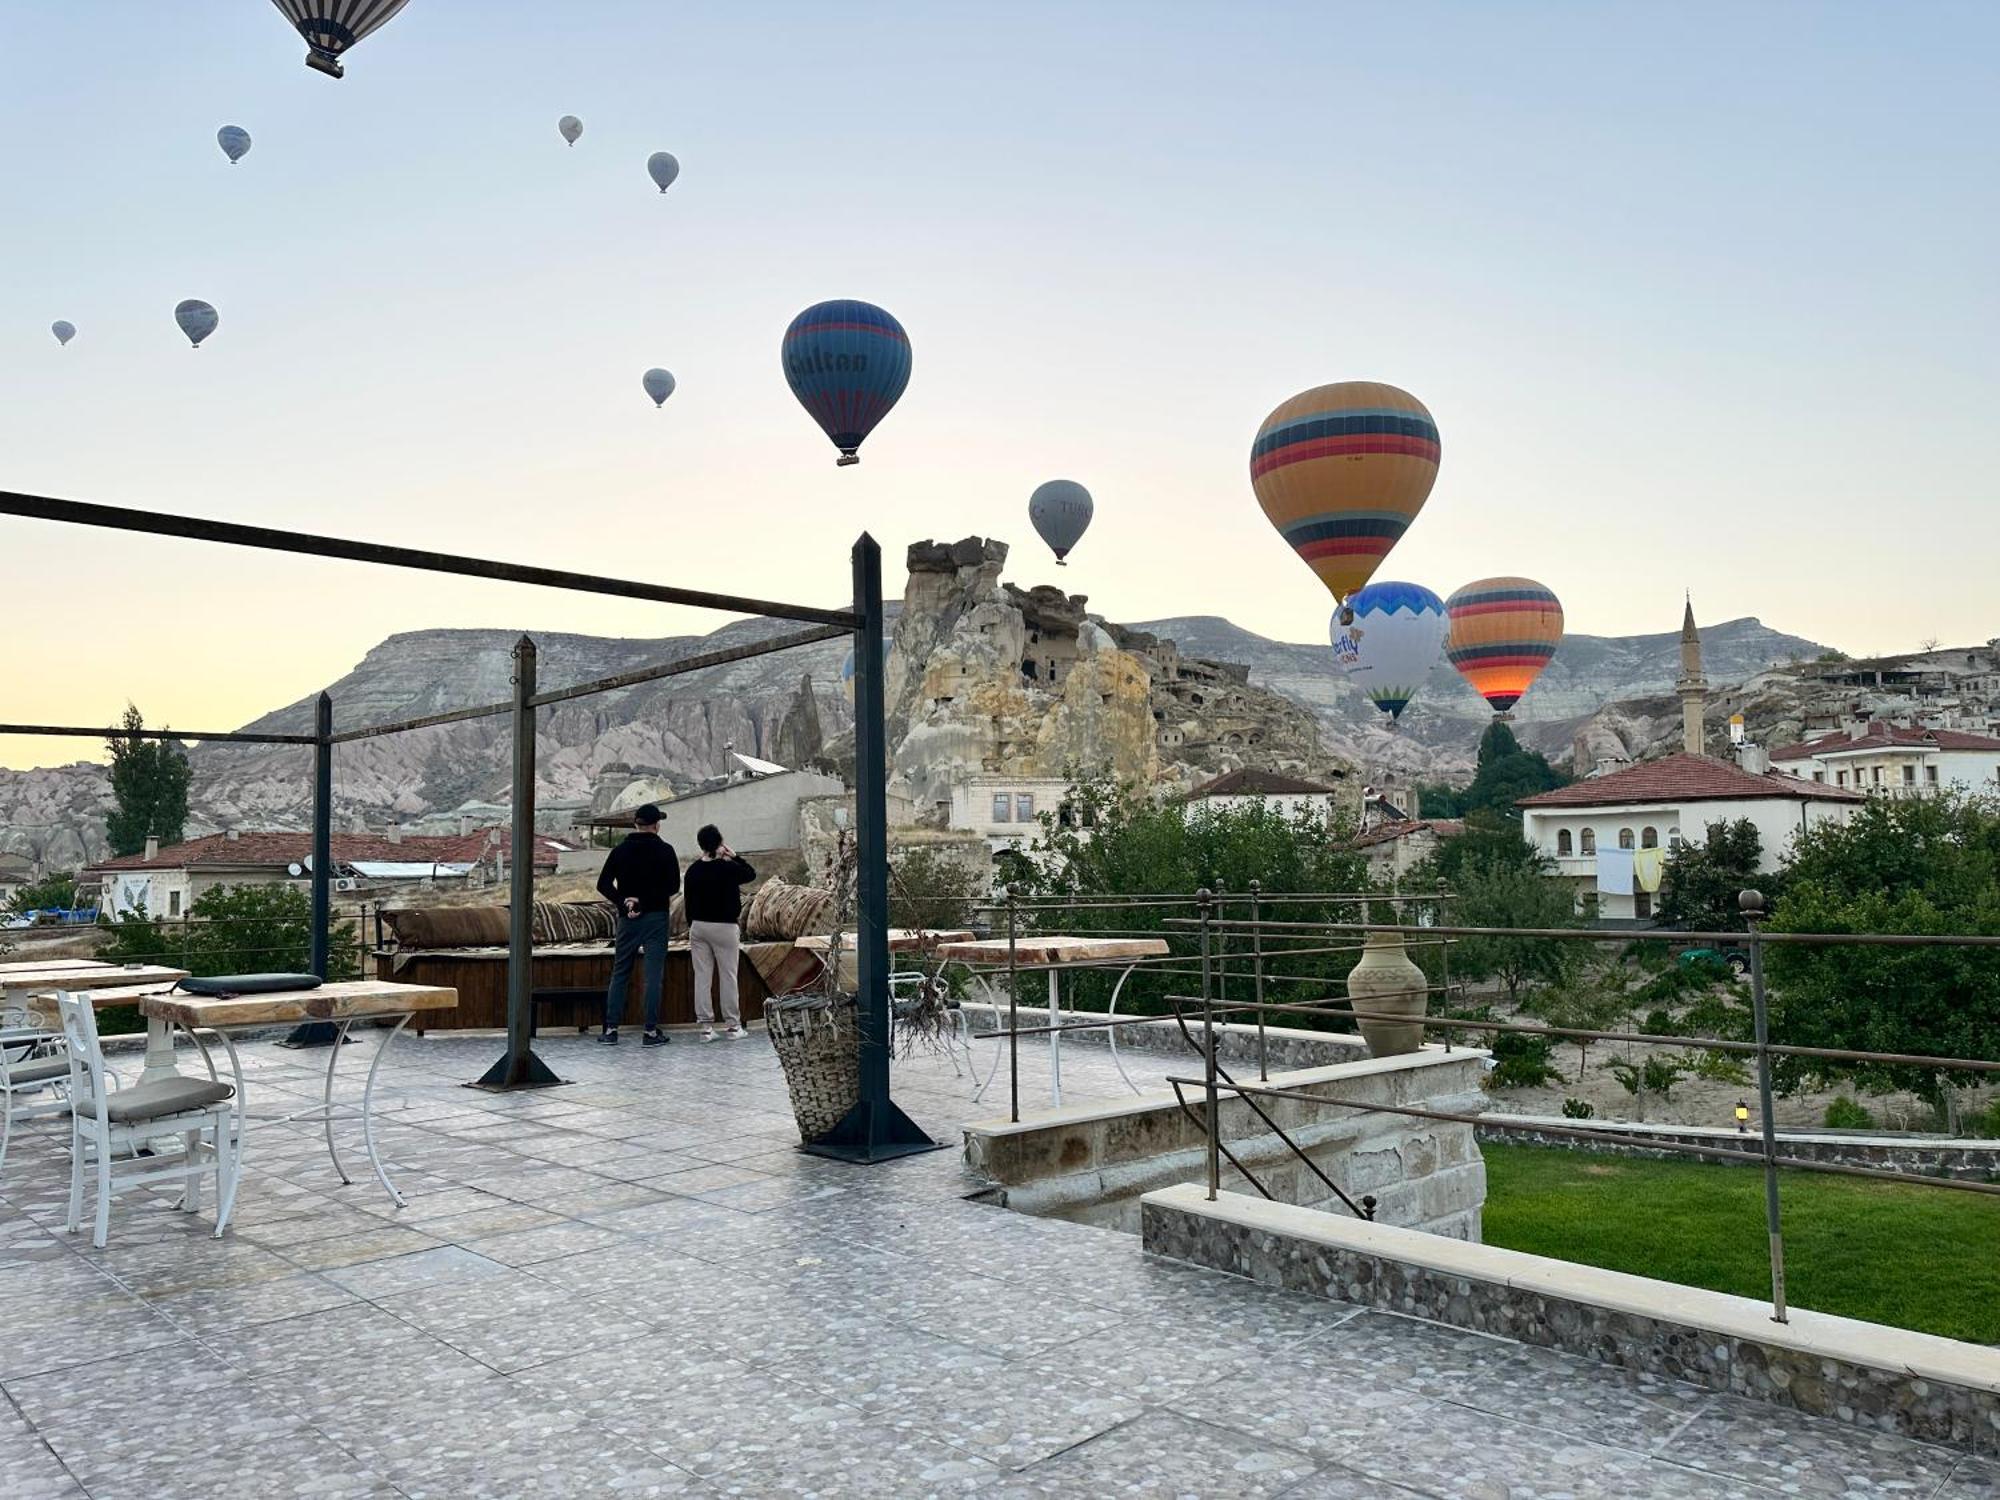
(1892, 760)
(1610, 834)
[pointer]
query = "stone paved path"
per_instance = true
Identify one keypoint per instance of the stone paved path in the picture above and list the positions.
(633, 1286)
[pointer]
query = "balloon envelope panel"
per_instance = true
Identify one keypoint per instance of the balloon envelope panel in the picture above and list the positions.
(1341, 471)
(848, 363)
(1391, 643)
(1503, 632)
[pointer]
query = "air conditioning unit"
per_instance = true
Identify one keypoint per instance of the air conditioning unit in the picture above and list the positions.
(347, 883)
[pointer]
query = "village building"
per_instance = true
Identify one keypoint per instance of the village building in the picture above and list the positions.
(1290, 795)
(1006, 810)
(757, 808)
(1398, 846)
(16, 871)
(1891, 760)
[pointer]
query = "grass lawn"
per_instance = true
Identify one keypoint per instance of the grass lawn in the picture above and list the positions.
(1923, 1258)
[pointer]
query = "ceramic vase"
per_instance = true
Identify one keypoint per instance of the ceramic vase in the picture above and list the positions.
(1387, 983)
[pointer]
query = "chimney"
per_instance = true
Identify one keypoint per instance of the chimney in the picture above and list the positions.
(152, 847)
(1414, 811)
(1753, 758)
(229, 834)
(466, 824)
(395, 833)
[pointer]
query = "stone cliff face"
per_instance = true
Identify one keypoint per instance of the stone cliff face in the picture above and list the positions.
(54, 817)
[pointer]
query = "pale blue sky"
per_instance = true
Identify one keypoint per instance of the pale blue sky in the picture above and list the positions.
(1700, 295)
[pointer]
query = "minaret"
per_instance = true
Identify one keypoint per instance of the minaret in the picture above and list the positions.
(1692, 687)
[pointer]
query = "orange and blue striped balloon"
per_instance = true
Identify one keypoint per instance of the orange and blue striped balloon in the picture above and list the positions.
(1503, 632)
(1341, 471)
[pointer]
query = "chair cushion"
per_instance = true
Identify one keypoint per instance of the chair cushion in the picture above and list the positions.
(158, 1099)
(230, 985)
(39, 1070)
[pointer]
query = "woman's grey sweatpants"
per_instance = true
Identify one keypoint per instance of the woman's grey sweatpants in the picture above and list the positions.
(712, 947)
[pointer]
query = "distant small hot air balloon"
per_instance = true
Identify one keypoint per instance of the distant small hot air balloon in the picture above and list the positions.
(1060, 511)
(1341, 471)
(659, 385)
(847, 362)
(234, 141)
(63, 329)
(1390, 643)
(330, 27)
(847, 670)
(571, 127)
(197, 320)
(1503, 632)
(663, 169)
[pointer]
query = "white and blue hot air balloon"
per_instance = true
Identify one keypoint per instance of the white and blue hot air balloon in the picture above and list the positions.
(197, 320)
(234, 141)
(1060, 511)
(663, 169)
(63, 329)
(330, 27)
(659, 385)
(1387, 638)
(571, 127)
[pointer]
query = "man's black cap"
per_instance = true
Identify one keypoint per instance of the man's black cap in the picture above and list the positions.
(647, 816)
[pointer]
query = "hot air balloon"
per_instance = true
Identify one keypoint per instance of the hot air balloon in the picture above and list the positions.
(663, 169)
(63, 329)
(1503, 632)
(571, 127)
(659, 385)
(1060, 511)
(197, 320)
(330, 27)
(1341, 471)
(847, 670)
(847, 362)
(1391, 642)
(234, 141)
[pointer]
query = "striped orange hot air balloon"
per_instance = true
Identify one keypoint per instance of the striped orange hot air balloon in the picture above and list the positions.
(1341, 471)
(1503, 632)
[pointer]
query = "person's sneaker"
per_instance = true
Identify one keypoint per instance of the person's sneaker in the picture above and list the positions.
(608, 1038)
(655, 1038)
(735, 1032)
(708, 1033)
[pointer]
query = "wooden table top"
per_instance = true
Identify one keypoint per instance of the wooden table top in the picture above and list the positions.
(901, 940)
(64, 974)
(348, 1000)
(1056, 949)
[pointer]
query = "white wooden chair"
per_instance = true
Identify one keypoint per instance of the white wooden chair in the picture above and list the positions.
(109, 1129)
(34, 1081)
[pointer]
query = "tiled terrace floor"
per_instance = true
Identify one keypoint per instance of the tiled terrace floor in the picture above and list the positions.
(633, 1286)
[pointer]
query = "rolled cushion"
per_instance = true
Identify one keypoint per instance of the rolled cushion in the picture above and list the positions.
(449, 926)
(156, 1100)
(574, 921)
(782, 912)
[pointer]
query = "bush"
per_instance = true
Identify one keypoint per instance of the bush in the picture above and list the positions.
(932, 892)
(238, 929)
(1578, 1109)
(1521, 1061)
(1845, 1114)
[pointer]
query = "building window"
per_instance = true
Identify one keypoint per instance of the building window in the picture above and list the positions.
(1624, 838)
(1649, 839)
(1589, 844)
(173, 903)
(1930, 775)
(1642, 903)
(1673, 838)
(1840, 778)
(1024, 808)
(1819, 776)
(1002, 803)
(1875, 775)
(1562, 842)
(1909, 776)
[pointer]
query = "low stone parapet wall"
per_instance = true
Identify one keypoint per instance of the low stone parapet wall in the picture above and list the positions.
(1237, 1044)
(1930, 1156)
(1093, 1163)
(1934, 1389)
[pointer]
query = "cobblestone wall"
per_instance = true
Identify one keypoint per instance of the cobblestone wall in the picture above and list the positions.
(1969, 1160)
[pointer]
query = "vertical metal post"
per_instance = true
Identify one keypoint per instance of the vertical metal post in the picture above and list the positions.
(318, 1033)
(1444, 958)
(1257, 978)
(1206, 903)
(520, 1068)
(874, 1129)
(1013, 1005)
(1752, 905)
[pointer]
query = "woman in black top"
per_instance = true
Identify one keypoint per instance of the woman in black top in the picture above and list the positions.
(712, 891)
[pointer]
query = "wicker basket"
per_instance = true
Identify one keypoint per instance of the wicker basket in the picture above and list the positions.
(819, 1045)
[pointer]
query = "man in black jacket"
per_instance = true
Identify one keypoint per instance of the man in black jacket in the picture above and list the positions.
(640, 879)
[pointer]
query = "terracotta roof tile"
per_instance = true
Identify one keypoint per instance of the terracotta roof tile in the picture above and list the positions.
(1250, 782)
(1888, 737)
(1686, 778)
(1383, 833)
(276, 849)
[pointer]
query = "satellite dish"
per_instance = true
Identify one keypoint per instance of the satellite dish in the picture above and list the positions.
(295, 869)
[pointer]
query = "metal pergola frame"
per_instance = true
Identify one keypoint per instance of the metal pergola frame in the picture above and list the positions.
(875, 1129)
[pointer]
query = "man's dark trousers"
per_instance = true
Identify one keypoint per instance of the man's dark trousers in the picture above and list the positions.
(648, 931)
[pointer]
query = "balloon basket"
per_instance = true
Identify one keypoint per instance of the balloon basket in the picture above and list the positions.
(845, 459)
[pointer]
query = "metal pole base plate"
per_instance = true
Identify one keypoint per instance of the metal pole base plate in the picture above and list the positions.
(870, 1133)
(528, 1072)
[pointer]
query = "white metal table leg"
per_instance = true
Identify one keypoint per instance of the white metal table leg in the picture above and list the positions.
(1112, 1032)
(339, 1041)
(368, 1111)
(1055, 1040)
(229, 1169)
(999, 1035)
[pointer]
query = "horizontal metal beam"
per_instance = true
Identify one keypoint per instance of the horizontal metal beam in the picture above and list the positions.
(233, 737)
(192, 528)
(1618, 935)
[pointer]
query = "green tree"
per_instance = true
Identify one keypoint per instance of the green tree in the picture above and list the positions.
(1505, 773)
(1510, 895)
(51, 892)
(1489, 839)
(931, 891)
(149, 779)
(1585, 999)
(1703, 880)
(1656, 1075)
(1922, 865)
(238, 929)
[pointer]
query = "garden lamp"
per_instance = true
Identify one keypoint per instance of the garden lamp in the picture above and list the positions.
(1742, 1118)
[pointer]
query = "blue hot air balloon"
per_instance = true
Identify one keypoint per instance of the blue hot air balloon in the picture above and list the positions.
(847, 670)
(1387, 639)
(847, 362)
(197, 320)
(659, 385)
(234, 141)
(63, 329)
